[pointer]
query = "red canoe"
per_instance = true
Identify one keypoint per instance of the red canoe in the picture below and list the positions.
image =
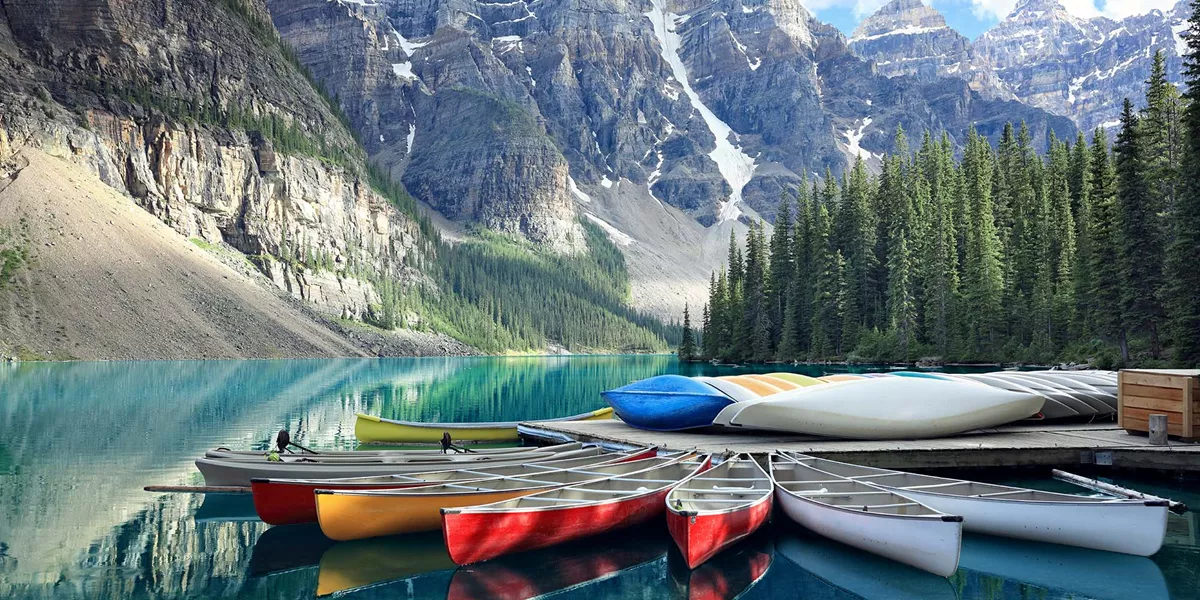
(290, 501)
(479, 533)
(711, 511)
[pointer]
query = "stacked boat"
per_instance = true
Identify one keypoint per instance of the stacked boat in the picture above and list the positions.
(904, 404)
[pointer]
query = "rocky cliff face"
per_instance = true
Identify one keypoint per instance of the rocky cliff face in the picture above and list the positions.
(1040, 54)
(522, 112)
(1081, 68)
(152, 100)
(906, 37)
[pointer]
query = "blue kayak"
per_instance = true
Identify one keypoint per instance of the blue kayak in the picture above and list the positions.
(667, 403)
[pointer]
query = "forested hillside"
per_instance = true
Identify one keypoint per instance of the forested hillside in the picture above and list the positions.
(1087, 252)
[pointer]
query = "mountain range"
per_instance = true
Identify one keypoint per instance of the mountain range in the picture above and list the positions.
(333, 142)
(1039, 54)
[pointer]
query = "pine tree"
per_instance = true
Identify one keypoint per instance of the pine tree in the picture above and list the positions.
(1060, 258)
(941, 258)
(1163, 140)
(1141, 255)
(983, 283)
(781, 268)
(826, 313)
(1183, 293)
(708, 338)
(1081, 191)
(854, 229)
(901, 302)
(1104, 287)
(687, 347)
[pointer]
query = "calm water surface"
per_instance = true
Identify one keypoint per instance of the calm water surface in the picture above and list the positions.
(78, 441)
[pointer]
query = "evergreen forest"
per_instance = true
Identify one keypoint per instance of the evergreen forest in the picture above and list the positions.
(1090, 252)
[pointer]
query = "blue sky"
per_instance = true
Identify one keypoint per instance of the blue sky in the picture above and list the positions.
(973, 17)
(960, 14)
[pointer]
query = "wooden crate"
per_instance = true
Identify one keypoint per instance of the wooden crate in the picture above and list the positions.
(1171, 392)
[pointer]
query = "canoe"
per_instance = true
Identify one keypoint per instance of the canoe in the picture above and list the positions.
(354, 455)
(710, 511)
(883, 408)
(759, 386)
(1054, 407)
(867, 517)
(667, 403)
(861, 574)
(576, 567)
(357, 514)
(1136, 527)
(287, 501)
(239, 472)
(1051, 388)
(922, 375)
(840, 377)
(782, 385)
(377, 430)
(730, 388)
(479, 533)
(801, 380)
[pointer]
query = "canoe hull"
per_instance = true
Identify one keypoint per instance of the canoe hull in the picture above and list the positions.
(372, 429)
(473, 537)
(702, 536)
(884, 408)
(1143, 526)
(236, 472)
(289, 501)
(927, 543)
(353, 517)
(667, 403)
(280, 503)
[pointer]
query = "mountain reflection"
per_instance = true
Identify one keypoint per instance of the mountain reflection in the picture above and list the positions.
(79, 441)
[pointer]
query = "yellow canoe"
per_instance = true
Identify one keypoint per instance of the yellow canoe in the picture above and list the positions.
(376, 430)
(757, 386)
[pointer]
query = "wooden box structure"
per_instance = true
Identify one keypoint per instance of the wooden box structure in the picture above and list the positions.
(1171, 392)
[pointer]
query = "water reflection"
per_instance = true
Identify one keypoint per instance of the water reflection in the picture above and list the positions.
(78, 442)
(726, 576)
(1062, 571)
(579, 569)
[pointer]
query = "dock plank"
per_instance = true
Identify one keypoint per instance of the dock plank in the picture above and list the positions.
(1014, 445)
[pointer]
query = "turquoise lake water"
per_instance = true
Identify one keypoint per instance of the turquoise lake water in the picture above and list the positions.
(78, 441)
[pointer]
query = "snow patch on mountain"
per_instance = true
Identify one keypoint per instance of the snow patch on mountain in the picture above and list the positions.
(735, 166)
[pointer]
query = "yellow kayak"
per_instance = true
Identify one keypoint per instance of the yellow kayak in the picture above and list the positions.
(372, 429)
(798, 379)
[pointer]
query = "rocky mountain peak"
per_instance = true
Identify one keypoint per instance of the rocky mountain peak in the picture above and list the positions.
(900, 17)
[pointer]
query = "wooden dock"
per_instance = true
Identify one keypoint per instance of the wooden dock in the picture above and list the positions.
(1010, 446)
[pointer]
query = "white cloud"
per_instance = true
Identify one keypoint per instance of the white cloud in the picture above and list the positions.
(1115, 9)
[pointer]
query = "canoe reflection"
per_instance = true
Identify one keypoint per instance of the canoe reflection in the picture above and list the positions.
(1080, 572)
(866, 575)
(359, 564)
(727, 575)
(217, 508)
(287, 548)
(594, 568)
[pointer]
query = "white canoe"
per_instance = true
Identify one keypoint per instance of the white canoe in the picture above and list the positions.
(1055, 406)
(867, 517)
(883, 408)
(1112, 524)
(356, 456)
(218, 472)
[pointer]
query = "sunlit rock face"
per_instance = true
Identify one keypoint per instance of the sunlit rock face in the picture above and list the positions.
(1039, 54)
(493, 112)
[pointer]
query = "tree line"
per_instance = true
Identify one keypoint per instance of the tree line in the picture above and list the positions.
(994, 254)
